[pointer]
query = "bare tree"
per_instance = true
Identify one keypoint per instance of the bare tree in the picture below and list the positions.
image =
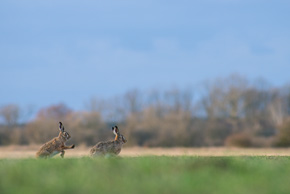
(277, 108)
(95, 104)
(10, 114)
(179, 100)
(59, 111)
(235, 88)
(133, 101)
(211, 102)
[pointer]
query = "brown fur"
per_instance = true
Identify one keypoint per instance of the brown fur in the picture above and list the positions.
(56, 145)
(109, 147)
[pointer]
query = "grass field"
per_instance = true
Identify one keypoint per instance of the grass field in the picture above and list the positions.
(147, 174)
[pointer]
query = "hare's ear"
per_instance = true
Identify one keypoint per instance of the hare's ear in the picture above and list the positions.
(115, 130)
(61, 128)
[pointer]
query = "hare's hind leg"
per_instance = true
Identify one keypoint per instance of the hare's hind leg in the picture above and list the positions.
(43, 154)
(110, 155)
(94, 153)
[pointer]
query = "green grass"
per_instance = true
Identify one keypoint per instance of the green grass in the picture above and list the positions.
(151, 174)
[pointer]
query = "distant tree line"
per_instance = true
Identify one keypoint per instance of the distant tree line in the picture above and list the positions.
(223, 112)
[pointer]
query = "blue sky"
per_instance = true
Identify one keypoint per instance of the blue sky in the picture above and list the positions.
(69, 51)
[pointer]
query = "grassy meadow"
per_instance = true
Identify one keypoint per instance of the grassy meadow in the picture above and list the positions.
(147, 174)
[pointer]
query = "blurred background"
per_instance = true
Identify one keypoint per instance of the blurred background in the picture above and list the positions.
(168, 73)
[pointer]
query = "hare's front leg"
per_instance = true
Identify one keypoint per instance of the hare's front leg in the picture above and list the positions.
(62, 153)
(68, 147)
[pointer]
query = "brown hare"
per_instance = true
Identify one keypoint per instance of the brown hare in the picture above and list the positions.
(56, 145)
(109, 147)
